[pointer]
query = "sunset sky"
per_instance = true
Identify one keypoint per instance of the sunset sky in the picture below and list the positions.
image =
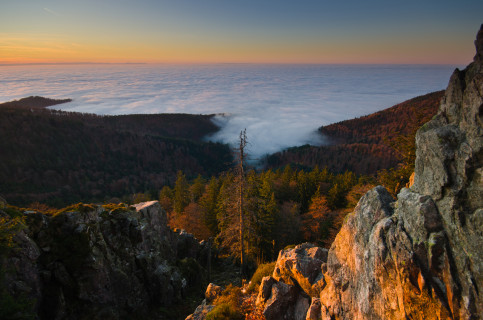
(239, 31)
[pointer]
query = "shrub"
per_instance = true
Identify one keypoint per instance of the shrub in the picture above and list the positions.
(114, 208)
(79, 207)
(251, 310)
(9, 227)
(263, 270)
(18, 307)
(224, 311)
(192, 271)
(228, 305)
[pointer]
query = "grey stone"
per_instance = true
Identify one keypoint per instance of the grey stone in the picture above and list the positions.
(98, 263)
(281, 303)
(301, 266)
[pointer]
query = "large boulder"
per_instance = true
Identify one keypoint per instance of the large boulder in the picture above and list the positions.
(301, 266)
(297, 277)
(282, 302)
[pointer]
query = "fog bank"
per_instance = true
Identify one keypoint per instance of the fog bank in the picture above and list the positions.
(280, 105)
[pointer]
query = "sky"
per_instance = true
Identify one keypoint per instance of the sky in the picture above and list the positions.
(239, 31)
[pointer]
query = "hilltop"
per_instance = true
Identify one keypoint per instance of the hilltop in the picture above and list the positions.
(59, 157)
(33, 102)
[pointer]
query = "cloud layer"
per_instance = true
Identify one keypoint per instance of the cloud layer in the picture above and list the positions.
(279, 105)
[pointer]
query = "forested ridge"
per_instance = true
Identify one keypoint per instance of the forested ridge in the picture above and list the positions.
(58, 158)
(367, 144)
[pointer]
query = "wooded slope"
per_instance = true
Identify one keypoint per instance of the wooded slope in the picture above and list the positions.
(367, 144)
(63, 157)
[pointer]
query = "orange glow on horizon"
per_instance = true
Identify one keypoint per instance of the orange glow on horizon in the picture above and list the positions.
(48, 49)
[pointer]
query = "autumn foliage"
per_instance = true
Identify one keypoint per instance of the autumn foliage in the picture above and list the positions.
(367, 144)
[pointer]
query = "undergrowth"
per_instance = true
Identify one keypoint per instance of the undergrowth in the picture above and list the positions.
(263, 270)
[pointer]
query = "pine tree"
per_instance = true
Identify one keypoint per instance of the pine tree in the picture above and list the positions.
(208, 202)
(181, 193)
(231, 208)
(166, 196)
(197, 189)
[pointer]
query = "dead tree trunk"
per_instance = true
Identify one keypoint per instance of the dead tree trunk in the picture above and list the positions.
(241, 182)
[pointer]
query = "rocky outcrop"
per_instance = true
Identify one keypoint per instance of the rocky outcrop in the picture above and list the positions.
(302, 267)
(419, 257)
(201, 311)
(212, 292)
(297, 277)
(90, 262)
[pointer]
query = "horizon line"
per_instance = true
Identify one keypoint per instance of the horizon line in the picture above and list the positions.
(223, 63)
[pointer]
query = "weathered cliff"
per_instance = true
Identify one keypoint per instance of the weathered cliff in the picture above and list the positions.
(419, 257)
(98, 263)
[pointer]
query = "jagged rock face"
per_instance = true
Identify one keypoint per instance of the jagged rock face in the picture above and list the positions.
(423, 259)
(419, 257)
(390, 264)
(99, 264)
(449, 169)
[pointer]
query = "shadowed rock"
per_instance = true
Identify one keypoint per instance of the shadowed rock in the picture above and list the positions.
(90, 262)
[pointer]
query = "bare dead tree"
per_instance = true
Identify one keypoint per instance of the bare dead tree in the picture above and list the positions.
(233, 222)
(241, 182)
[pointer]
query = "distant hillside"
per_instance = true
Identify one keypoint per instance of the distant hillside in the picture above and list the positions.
(367, 144)
(176, 125)
(34, 102)
(63, 157)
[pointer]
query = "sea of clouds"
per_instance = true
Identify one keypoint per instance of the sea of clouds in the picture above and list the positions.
(280, 105)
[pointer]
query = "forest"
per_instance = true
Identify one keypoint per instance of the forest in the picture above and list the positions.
(366, 144)
(280, 208)
(58, 158)
(55, 158)
(300, 202)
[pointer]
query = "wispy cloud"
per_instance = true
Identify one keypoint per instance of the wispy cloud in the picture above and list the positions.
(52, 12)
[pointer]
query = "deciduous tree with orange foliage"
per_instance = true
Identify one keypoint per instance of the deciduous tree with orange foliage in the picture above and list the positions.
(317, 220)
